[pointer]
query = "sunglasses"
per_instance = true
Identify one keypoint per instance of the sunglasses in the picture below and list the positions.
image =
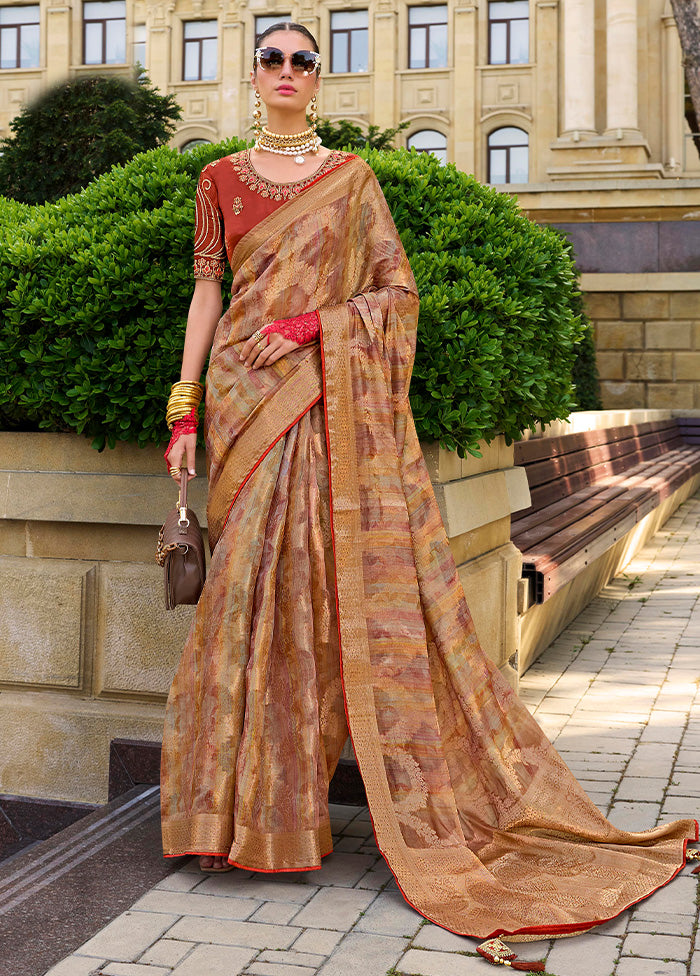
(272, 59)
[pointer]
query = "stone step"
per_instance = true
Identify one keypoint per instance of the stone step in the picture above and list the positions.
(57, 893)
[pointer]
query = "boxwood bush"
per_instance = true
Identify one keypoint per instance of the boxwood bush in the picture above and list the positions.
(94, 291)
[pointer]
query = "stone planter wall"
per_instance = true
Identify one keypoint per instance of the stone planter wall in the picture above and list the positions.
(87, 652)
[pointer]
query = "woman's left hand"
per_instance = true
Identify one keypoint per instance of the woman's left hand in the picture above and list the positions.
(255, 353)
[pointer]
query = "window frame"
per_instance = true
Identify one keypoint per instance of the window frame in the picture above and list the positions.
(199, 41)
(17, 28)
(507, 147)
(103, 21)
(349, 31)
(134, 43)
(273, 18)
(432, 150)
(426, 28)
(507, 21)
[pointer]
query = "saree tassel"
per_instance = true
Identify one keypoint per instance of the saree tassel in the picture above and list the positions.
(498, 953)
(693, 855)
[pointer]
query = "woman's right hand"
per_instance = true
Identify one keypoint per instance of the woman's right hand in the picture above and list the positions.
(182, 453)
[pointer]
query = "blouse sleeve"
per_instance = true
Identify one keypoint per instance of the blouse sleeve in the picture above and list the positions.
(209, 247)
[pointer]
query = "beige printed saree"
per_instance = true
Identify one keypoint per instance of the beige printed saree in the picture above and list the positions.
(333, 597)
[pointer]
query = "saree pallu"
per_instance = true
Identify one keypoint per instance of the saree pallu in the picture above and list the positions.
(333, 594)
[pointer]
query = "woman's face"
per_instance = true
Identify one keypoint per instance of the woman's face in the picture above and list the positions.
(285, 88)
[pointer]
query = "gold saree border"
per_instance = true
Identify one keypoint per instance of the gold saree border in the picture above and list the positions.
(212, 834)
(327, 189)
(355, 667)
(285, 406)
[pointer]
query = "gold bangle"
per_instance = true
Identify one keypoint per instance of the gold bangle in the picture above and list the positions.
(185, 396)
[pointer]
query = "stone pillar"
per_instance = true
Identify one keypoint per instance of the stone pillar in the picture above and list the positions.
(383, 112)
(59, 27)
(546, 107)
(230, 122)
(673, 129)
(464, 85)
(622, 73)
(579, 66)
(158, 47)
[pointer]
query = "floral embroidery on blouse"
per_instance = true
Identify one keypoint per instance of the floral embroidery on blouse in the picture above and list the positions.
(211, 268)
(279, 191)
(237, 205)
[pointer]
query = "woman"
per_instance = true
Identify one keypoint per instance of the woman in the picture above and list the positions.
(332, 592)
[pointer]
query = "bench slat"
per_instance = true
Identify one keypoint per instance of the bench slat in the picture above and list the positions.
(541, 448)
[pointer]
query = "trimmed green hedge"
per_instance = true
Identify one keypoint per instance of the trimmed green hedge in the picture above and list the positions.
(95, 289)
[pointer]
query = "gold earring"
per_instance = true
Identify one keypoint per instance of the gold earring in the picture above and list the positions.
(313, 114)
(257, 115)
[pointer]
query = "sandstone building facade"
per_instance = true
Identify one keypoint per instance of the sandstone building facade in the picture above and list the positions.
(576, 106)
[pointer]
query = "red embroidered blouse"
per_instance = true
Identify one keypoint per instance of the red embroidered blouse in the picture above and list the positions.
(231, 199)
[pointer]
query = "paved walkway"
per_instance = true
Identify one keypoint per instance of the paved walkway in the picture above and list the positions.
(617, 692)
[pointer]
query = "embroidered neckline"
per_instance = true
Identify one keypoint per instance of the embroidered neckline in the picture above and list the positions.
(280, 191)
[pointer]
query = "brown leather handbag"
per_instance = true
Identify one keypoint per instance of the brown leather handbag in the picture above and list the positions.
(180, 552)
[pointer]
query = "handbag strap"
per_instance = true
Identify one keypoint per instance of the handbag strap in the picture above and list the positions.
(183, 521)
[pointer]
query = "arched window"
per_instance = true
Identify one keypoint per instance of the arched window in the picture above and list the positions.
(193, 143)
(508, 155)
(430, 141)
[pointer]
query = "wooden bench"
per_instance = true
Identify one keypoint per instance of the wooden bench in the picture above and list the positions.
(589, 490)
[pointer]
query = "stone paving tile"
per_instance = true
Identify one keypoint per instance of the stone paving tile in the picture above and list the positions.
(228, 933)
(634, 816)
(676, 898)
(215, 960)
(433, 937)
(180, 881)
(317, 942)
(166, 952)
(645, 919)
(656, 946)
(389, 914)
(680, 806)
(76, 966)
(335, 908)
(377, 876)
(695, 964)
(190, 903)
(364, 955)
(260, 889)
(649, 967)
(425, 963)
(348, 845)
(594, 955)
(278, 969)
(642, 788)
(132, 969)
(275, 913)
(292, 958)
(344, 869)
(125, 938)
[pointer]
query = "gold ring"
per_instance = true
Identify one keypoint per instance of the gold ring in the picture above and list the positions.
(258, 336)
(173, 469)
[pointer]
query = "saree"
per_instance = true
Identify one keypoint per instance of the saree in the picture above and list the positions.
(333, 605)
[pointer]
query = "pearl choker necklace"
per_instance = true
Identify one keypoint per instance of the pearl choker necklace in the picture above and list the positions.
(289, 145)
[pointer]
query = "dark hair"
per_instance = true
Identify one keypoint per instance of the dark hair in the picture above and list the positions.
(285, 26)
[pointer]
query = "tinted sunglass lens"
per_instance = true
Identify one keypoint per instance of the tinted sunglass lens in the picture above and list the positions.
(271, 57)
(304, 61)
